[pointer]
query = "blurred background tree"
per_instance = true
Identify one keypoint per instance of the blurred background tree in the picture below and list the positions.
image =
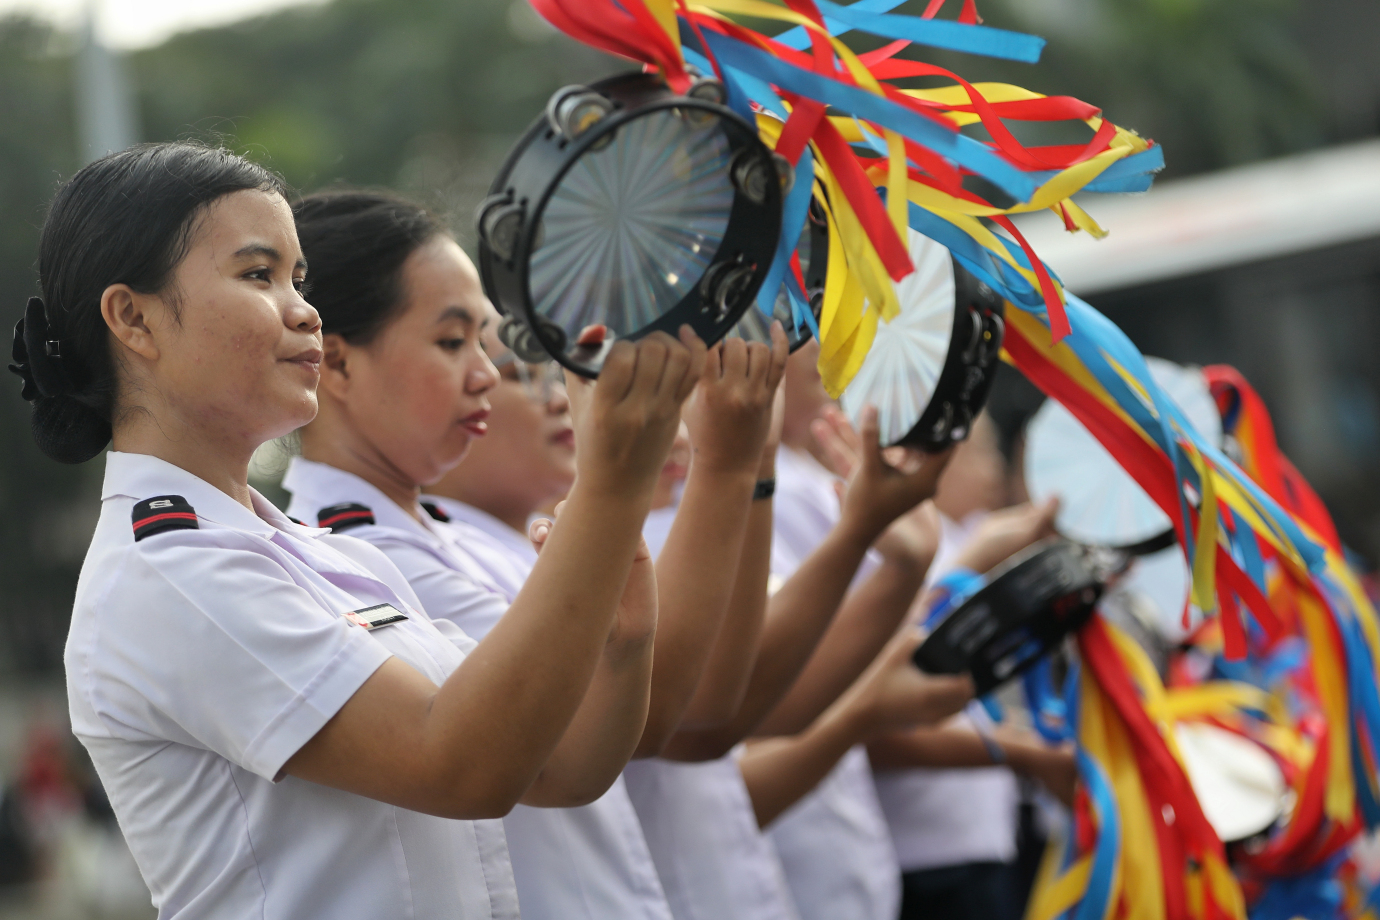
(426, 95)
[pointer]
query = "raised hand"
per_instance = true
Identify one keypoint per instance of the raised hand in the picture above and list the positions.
(893, 693)
(625, 421)
(730, 414)
(882, 484)
(1004, 533)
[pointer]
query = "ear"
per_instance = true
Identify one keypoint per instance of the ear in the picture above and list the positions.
(133, 318)
(335, 373)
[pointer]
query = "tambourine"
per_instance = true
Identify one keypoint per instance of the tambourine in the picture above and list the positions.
(1240, 787)
(930, 368)
(625, 209)
(1099, 503)
(813, 254)
(1026, 608)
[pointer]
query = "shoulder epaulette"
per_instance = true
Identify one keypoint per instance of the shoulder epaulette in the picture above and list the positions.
(166, 512)
(344, 516)
(436, 511)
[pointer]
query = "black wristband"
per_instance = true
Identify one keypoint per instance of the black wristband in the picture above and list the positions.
(766, 488)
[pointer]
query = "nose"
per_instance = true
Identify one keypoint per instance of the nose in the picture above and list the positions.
(558, 403)
(483, 376)
(302, 316)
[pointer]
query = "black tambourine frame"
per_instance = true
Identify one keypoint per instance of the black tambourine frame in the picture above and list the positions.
(969, 369)
(542, 157)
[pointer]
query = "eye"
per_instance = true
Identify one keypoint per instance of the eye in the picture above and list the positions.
(260, 274)
(452, 344)
(302, 285)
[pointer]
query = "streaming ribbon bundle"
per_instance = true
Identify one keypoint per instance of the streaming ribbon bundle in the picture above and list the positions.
(879, 159)
(1140, 846)
(884, 156)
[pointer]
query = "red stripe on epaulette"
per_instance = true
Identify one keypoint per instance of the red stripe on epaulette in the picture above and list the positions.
(340, 517)
(182, 515)
(165, 512)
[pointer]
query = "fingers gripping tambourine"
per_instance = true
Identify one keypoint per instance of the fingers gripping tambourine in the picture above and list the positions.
(931, 367)
(627, 209)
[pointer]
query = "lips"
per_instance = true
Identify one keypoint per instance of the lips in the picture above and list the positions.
(309, 360)
(565, 437)
(476, 423)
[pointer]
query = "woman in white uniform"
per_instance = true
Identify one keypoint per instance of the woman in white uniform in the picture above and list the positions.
(282, 730)
(378, 440)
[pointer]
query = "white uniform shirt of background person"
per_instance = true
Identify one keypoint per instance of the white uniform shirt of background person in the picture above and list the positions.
(200, 660)
(587, 863)
(950, 817)
(834, 843)
(714, 862)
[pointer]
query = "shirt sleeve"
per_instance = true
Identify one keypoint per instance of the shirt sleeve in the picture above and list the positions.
(218, 647)
(446, 593)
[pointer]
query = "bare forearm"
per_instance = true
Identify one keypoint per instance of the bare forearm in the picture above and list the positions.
(781, 771)
(534, 667)
(952, 748)
(603, 735)
(797, 616)
(869, 617)
(724, 684)
(694, 584)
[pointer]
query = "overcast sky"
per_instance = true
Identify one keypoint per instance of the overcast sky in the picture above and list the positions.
(140, 23)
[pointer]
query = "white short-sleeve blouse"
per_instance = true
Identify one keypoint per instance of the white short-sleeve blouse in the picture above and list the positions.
(200, 660)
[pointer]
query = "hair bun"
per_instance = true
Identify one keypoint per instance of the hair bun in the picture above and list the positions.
(68, 431)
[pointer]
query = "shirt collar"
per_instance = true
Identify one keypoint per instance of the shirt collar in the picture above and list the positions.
(320, 485)
(142, 476)
(481, 520)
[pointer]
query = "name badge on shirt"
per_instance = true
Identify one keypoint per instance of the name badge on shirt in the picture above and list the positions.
(376, 616)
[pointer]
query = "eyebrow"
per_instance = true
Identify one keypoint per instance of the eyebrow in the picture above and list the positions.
(460, 313)
(266, 251)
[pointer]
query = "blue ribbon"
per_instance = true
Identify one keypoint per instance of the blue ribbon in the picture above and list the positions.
(1048, 710)
(965, 151)
(870, 16)
(1315, 895)
(1107, 853)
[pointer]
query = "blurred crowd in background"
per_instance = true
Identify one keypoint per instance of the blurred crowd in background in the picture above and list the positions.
(425, 96)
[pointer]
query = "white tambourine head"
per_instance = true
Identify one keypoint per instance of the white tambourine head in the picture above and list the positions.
(902, 369)
(1100, 503)
(1238, 784)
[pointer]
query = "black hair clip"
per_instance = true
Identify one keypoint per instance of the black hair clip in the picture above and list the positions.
(38, 355)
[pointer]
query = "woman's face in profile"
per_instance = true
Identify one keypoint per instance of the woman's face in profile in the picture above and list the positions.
(528, 456)
(417, 393)
(242, 350)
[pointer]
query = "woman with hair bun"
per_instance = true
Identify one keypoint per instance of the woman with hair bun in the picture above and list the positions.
(282, 730)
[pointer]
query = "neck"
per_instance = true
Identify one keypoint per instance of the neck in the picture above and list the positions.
(221, 461)
(360, 458)
(513, 510)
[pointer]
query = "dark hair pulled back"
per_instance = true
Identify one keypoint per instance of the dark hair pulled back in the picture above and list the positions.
(356, 243)
(127, 218)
